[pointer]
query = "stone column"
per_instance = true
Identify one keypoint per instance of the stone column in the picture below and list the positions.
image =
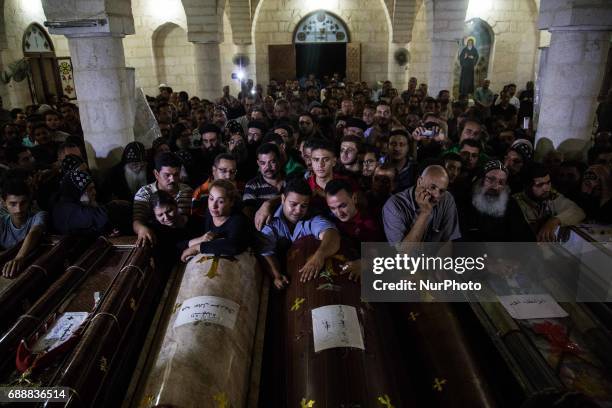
(208, 70)
(105, 95)
(573, 74)
(442, 65)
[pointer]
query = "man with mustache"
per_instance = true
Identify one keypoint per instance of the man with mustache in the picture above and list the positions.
(270, 181)
(167, 173)
(544, 208)
(492, 215)
(424, 212)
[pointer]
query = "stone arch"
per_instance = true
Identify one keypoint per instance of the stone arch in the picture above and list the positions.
(173, 57)
(204, 20)
(403, 14)
(342, 35)
(369, 22)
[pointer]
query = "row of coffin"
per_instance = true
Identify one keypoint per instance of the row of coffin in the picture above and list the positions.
(200, 340)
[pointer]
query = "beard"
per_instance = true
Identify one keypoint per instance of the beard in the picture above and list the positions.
(490, 204)
(134, 180)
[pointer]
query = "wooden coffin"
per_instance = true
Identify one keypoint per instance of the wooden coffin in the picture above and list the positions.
(371, 376)
(87, 369)
(452, 361)
(51, 299)
(26, 288)
(206, 351)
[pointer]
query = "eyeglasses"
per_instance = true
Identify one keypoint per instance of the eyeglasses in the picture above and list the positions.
(368, 162)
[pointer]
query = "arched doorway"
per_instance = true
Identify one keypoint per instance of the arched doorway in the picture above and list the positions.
(483, 37)
(320, 41)
(45, 84)
(173, 53)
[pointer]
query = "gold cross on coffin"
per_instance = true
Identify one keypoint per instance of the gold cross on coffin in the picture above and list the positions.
(385, 401)
(212, 271)
(438, 383)
(297, 303)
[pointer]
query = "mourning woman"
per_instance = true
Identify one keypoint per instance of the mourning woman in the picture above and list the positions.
(226, 230)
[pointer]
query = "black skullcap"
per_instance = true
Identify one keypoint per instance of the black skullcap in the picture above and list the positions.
(71, 162)
(79, 180)
(257, 124)
(357, 123)
(134, 152)
(158, 142)
(208, 128)
(524, 148)
(494, 165)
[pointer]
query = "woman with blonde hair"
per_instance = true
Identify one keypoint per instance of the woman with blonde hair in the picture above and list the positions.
(227, 230)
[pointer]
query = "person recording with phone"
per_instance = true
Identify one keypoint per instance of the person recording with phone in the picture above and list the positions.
(430, 137)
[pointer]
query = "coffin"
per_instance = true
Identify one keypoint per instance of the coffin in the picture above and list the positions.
(207, 336)
(453, 362)
(127, 297)
(364, 372)
(26, 288)
(50, 301)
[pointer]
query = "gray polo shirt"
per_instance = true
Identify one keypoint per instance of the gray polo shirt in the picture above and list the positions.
(401, 210)
(11, 235)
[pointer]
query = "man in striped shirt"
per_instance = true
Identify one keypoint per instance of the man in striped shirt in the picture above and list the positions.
(270, 181)
(167, 172)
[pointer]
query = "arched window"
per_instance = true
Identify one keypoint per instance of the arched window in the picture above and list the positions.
(45, 83)
(321, 27)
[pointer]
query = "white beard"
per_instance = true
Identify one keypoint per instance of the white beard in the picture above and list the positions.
(488, 205)
(134, 180)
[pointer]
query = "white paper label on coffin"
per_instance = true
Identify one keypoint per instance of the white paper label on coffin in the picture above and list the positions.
(208, 309)
(537, 306)
(60, 331)
(336, 326)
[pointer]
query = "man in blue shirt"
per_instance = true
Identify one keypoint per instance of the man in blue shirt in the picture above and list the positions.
(19, 225)
(290, 223)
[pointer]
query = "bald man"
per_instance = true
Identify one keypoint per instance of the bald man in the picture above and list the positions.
(424, 212)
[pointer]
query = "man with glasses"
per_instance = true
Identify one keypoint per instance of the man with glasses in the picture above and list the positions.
(493, 215)
(424, 212)
(224, 168)
(544, 208)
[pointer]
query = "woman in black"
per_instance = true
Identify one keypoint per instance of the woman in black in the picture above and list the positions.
(227, 231)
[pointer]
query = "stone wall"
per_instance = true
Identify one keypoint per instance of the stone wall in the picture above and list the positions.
(515, 44)
(420, 46)
(18, 15)
(367, 21)
(173, 56)
(514, 24)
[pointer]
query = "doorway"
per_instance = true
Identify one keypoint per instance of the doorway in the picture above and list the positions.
(45, 83)
(320, 59)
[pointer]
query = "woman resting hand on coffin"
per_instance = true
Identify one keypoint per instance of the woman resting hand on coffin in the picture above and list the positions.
(173, 229)
(228, 231)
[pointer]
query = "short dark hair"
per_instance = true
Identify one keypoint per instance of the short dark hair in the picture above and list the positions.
(298, 186)
(16, 186)
(322, 144)
(537, 170)
(471, 143)
(368, 148)
(273, 138)
(161, 197)
(333, 187)
(167, 159)
(39, 125)
(267, 148)
(223, 156)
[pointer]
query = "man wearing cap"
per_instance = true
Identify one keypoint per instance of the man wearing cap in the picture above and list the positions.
(492, 215)
(355, 127)
(77, 210)
(127, 177)
(424, 212)
(517, 160)
(544, 208)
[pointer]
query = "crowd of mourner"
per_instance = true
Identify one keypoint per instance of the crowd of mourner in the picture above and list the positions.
(338, 161)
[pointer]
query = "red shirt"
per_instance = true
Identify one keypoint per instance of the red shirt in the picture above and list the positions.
(361, 228)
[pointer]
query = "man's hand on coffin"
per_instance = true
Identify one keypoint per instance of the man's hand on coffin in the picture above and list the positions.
(264, 215)
(145, 236)
(548, 231)
(353, 268)
(12, 268)
(281, 281)
(311, 269)
(209, 236)
(189, 252)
